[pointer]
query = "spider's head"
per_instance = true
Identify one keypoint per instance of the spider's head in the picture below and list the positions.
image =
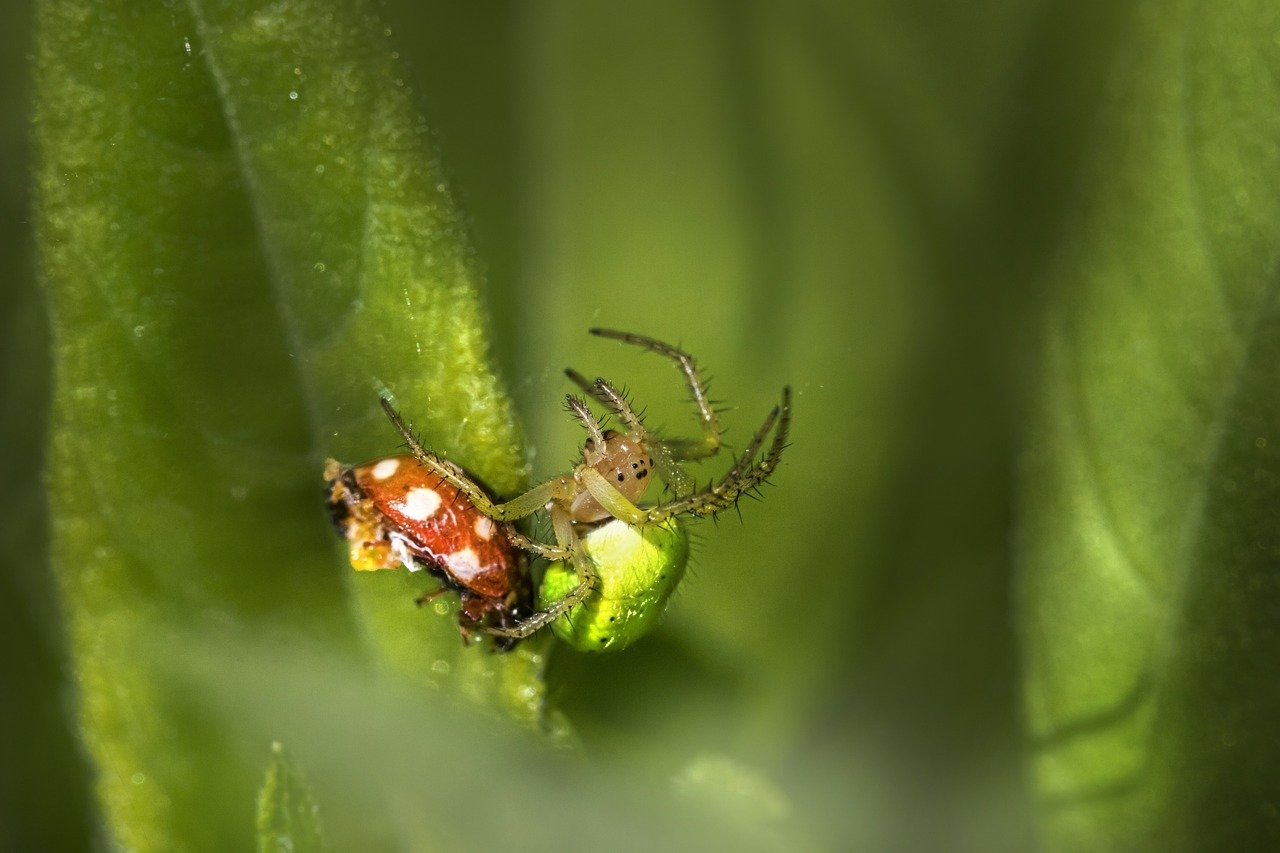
(625, 461)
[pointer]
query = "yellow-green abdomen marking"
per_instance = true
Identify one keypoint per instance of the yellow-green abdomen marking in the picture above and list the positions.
(639, 568)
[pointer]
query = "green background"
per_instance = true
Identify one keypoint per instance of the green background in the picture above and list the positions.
(1015, 583)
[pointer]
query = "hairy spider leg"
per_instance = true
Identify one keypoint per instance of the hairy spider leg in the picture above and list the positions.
(605, 394)
(709, 444)
(613, 398)
(588, 387)
(578, 407)
(741, 478)
(533, 546)
(753, 446)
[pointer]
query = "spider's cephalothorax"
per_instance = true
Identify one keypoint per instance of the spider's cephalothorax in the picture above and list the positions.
(615, 563)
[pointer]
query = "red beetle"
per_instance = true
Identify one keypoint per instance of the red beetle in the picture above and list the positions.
(395, 512)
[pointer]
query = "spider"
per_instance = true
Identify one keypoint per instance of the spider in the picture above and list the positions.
(630, 555)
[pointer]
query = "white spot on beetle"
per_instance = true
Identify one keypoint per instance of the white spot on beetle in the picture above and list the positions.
(484, 527)
(401, 550)
(385, 468)
(463, 564)
(421, 503)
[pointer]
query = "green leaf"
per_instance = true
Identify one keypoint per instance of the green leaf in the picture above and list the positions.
(243, 229)
(1151, 535)
(42, 763)
(288, 817)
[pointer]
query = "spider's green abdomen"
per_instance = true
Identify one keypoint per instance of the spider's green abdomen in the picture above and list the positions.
(639, 568)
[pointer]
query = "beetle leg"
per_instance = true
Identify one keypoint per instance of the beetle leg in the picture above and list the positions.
(430, 595)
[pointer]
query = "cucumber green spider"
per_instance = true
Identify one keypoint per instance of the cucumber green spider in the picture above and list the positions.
(615, 562)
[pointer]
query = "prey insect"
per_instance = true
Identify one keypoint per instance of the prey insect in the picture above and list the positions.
(396, 512)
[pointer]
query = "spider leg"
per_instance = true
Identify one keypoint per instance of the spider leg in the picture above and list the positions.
(612, 397)
(753, 446)
(578, 407)
(533, 546)
(606, 494)
(603, 392)
(742, 477)
(588, 580)
(709, 445)
(559, 488)
(588, 387)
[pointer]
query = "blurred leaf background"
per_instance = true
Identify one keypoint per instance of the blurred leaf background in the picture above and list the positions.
(1015, 584)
